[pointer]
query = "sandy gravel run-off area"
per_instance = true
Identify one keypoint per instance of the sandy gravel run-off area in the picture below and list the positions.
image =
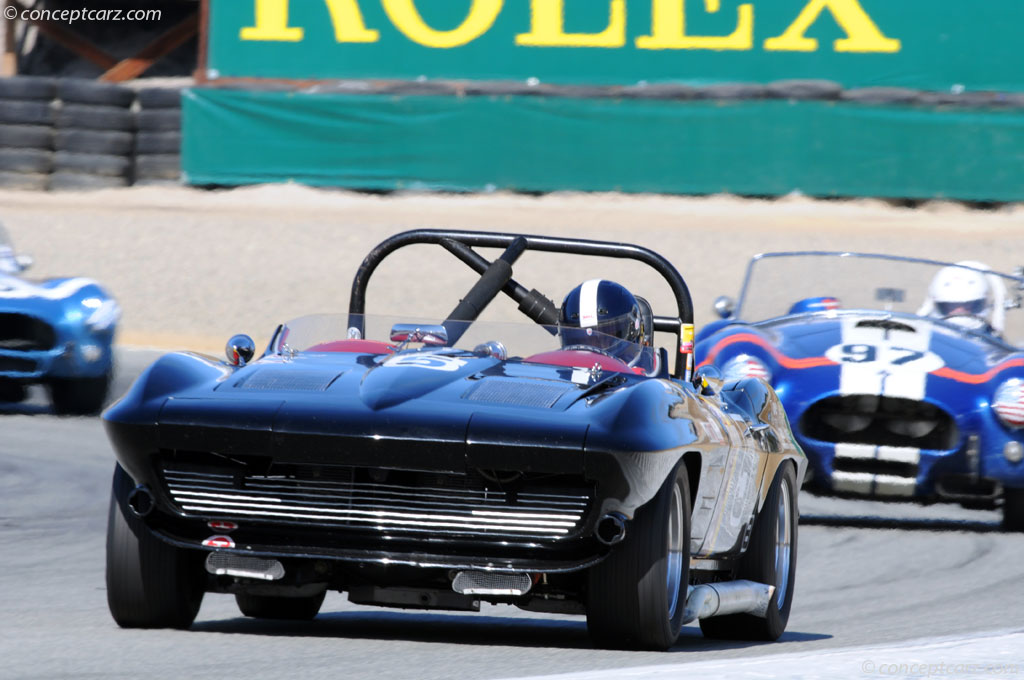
(191, 267)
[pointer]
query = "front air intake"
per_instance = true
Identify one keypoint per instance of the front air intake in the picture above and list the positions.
(23, 333)
(880, 421)
(381, 502)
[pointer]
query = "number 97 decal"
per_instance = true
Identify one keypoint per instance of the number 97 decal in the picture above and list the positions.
(885, 354)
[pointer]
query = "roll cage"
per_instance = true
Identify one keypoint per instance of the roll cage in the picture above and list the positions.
(496, 277)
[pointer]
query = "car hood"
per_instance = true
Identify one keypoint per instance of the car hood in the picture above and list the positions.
(413, 397)
(43, 299)
(911, 343)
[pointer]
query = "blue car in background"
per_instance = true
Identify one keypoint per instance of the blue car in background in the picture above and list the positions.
(57, 333)
(895, 387)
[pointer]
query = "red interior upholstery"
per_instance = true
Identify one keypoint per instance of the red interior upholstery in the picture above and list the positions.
(360, 346)
(577, 358)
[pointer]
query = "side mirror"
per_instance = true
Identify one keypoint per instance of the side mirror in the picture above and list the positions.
(725, 306)
(24, 261)
(240, 350)
(709, 371)
(701, 376)
(492, 348)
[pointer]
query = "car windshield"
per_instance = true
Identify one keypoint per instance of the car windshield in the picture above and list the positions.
(320, 332)
(781, 284)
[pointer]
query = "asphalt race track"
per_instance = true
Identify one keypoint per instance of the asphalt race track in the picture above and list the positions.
(869, 574)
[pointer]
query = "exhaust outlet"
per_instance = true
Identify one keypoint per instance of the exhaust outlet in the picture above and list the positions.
(140, 500)
(729, 597)
(611, 528)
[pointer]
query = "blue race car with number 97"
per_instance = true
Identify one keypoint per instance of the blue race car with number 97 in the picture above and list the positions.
(898, 374)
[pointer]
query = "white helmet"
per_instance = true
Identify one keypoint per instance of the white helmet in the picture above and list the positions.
(966, 297)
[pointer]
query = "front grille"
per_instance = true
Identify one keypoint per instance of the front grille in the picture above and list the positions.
(23, 333)
(396, 502)
(880, 421)
(17, 365)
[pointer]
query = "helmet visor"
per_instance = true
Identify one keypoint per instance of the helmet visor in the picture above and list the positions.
(964, 308)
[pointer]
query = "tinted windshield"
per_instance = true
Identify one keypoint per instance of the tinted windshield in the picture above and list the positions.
(778, 285)
(317, 332)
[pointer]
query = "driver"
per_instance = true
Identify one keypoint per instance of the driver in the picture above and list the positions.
(967, 297)
(603, 316)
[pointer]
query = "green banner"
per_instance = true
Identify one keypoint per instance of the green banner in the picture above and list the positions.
(922, 44)
(765, 147)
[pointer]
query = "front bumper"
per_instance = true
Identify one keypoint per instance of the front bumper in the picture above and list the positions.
(975, 472)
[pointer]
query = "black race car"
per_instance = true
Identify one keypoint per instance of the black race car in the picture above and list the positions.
(421, 464)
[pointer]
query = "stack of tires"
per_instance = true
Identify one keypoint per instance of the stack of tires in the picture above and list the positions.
(158, 142)
(94, 135)
(26, 132)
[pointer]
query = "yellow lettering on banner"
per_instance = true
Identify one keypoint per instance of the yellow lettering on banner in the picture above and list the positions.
(407, 19)
(272, 23)
(862, 35)
(668, 29)
(547, 27)
(348, 22)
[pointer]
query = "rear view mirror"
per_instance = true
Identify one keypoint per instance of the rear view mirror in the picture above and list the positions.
(725, 306)
(435, 336)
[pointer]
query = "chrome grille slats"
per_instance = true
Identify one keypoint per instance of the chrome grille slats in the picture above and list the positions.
(255, 484)
(463, 508)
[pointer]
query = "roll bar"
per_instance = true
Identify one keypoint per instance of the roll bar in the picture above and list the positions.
(496, 277)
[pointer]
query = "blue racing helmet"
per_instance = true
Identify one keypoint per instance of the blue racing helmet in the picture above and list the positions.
(604, 316)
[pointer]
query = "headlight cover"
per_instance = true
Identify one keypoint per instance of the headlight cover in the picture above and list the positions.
(103, 315)
(1009, 403)
(745, 366)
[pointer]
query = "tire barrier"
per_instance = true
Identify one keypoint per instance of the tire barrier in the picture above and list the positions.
(74, 134)
(94, 126)
(26, 132)
(158, 139)
(67, 133)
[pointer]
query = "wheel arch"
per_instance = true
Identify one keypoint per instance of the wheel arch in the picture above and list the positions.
(693, 462)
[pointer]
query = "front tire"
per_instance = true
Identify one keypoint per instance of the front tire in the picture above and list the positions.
(1013, 510)
(637, 595)
(79, 396)
(770, 558)
(283, 608)
(150, 584)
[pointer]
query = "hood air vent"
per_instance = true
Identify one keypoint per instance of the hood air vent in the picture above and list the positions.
(268, 379)
(886, 325)
(539, 394)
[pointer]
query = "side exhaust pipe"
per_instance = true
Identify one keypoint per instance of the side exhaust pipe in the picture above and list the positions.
(730, 597)
(611, 528)
(140, 500)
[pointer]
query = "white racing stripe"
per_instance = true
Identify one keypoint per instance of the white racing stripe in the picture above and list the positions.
(987, 655)
(588, 303)
(12, 288)
(891, 363)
